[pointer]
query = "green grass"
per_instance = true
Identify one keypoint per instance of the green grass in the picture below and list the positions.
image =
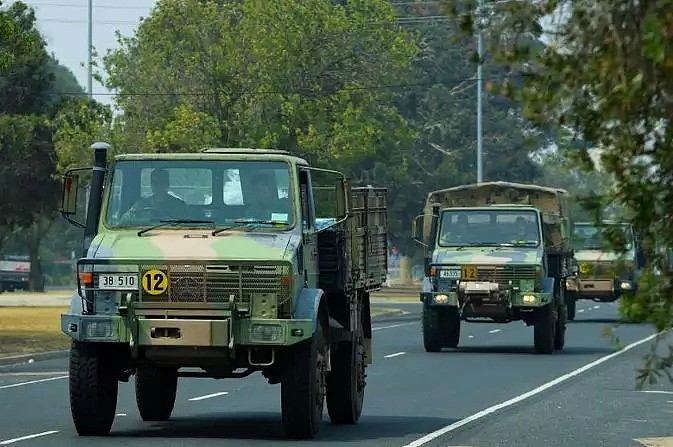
(31, 329)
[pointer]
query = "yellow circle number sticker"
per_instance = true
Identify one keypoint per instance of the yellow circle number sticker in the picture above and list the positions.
(155, 282)
(585, 268)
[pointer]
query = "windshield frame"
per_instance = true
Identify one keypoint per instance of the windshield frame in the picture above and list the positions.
(627, 229)
(489, 210)
(113, 169)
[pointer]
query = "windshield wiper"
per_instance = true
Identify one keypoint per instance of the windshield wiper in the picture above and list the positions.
(241, 222)
(165, 222)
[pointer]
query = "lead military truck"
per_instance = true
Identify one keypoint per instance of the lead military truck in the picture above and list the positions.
(495, 252)
(198, 285)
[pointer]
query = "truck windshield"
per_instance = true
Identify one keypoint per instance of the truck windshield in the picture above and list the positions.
(459, 228)
(145, 193)
(591, 237)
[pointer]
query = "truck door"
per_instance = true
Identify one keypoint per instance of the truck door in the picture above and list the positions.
(309, 261)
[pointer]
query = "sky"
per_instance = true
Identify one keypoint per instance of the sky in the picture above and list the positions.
(64, 26)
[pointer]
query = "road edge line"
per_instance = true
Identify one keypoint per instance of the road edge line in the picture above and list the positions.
(521, 397)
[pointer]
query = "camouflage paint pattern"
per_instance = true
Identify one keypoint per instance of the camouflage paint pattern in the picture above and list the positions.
(193, 246)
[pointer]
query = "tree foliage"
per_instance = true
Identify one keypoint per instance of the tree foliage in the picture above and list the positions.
(26, 79)
(607, 74)
(27, 169)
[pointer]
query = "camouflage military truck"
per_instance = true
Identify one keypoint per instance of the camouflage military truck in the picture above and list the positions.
(496, 252)
(602, 274)
(216, 265)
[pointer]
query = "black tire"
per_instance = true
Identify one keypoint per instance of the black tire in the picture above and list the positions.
(560, 332)
(544, 329)
(303, 387)
(571, 300)
(155, 392)
(93, 389)
(432, 331)
(346, 381)
(451, 328)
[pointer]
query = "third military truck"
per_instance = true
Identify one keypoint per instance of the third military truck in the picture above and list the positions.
(495, 252)
(220, 264)
(603, 274)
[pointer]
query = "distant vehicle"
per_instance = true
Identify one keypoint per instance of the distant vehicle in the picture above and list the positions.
(14, 273)
(602, 274)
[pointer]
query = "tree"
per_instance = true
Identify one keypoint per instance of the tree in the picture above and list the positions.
(614, 90)
(26, 80)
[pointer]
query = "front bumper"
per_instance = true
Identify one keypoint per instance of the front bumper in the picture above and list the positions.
(185, 332)
(604, 289)
(516, 299)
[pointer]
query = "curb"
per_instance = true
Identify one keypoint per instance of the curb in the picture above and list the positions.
(36, 356)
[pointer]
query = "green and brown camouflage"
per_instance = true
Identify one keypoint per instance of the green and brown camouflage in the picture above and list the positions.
(201, 275)
(603, 274)
(507, 263)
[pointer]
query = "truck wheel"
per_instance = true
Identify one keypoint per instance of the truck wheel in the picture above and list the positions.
(93, 389)
(346, 381)
(452, 328)
(432, 333)
(155, 392)
(544, 329)
(560, 332)
(303, 387)
(571, 301)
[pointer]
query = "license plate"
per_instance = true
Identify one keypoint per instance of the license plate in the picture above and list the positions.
(450, 274)
(115, 281)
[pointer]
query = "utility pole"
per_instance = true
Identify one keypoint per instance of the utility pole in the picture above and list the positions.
(480, 53)
(90, 49)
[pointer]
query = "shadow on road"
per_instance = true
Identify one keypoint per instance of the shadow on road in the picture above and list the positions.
(603, 320)
(267, 427)
(516, 350)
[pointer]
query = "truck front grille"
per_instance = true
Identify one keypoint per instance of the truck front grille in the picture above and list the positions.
(201, 283)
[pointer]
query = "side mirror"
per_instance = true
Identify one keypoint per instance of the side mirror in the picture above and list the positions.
(69, 197)
(417, 230)
(343, 197)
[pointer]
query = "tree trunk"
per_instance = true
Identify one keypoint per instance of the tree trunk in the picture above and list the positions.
(36, 233)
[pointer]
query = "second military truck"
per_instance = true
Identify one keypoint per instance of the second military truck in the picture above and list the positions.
(212, 265)
(495, 252)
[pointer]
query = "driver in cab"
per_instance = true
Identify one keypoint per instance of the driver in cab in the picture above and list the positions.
(160, 205)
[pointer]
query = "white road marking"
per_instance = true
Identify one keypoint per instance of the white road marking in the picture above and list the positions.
(597, 306)
(24, 438)
(208, 396)
(470, 336)
(494, 331)
(13, 385)
(389, 356)
(485, 412)
(655, 392)
(392, 326)
(33, 373)
(121, 414)
(580, 310)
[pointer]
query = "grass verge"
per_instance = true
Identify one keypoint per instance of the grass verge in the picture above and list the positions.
(31, 329)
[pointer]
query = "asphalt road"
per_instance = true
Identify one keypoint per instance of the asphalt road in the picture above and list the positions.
(413, 398)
